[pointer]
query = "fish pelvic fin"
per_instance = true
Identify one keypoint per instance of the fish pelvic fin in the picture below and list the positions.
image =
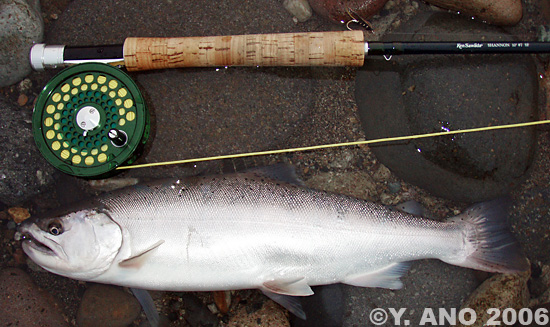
(386, 277)
(294, 287)
(136, 261)
(292, 304)
(283, 291)
(491, 244)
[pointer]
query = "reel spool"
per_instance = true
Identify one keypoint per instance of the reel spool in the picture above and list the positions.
(89, 119)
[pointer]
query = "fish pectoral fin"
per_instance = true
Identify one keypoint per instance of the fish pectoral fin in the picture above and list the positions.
(136, 261)
(290, 303)
(386, 277)
(294, 287)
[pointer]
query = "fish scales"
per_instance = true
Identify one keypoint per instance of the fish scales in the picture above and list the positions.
(245, 222)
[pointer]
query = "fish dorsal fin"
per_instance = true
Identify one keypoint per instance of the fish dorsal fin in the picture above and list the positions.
(386, 277)
(281, 172)
(290, 303)
(294, 287)
(136, 261)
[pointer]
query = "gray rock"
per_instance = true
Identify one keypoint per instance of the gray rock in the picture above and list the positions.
(22, 303)
(23, 171)
(105, 305)
(21, 25)
(423, 94)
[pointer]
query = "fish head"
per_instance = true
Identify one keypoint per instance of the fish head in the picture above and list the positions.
(81, 244)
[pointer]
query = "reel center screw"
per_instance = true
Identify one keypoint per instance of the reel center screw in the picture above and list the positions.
(88, 118)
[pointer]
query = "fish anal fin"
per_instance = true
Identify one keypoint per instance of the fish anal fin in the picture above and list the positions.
(290, 303)
(294, 287)
(136, 261)
(386, 277)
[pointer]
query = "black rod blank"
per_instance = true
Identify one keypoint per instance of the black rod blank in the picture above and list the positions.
(93, 52)
(411, 48)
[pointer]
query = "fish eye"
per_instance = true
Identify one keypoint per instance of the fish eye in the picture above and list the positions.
(55, 228)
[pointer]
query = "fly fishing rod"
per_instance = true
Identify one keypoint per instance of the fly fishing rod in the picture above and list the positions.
(342, 48)
(91, 119)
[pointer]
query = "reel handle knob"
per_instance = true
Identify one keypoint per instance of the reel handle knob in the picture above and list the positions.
(117, 137)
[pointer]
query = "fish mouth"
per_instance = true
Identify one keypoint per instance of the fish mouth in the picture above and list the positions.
(30, 241)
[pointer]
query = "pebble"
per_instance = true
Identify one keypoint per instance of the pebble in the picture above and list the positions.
(499, 291)
(22, 303)
(382, 174)
(18, 214)
(22, 100)
(336, 10)
(222, 300)
(300, 9)
(498, 12)
(394, 187)
(105, 305)
(25, 85)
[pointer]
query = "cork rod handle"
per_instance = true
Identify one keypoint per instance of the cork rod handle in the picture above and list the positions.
(345, 48)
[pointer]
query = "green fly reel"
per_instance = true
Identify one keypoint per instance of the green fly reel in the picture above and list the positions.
(90, 119)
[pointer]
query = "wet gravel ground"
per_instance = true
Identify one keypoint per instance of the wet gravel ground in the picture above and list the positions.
(328, 115)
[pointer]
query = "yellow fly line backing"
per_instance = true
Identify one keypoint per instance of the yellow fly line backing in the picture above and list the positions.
(326, 146)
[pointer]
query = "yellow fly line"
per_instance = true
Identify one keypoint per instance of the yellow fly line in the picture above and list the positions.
(326, 146)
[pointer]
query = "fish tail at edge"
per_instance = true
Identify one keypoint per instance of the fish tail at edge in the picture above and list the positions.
(492, 245)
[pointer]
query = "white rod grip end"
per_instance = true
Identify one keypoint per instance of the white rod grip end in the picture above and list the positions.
(46, 56)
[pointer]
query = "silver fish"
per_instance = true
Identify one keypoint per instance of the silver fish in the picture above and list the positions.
(258, 229)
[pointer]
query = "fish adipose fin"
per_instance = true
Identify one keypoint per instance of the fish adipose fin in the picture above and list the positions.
(136, 261)
(491, 245)
(386, 277)
(290, 303)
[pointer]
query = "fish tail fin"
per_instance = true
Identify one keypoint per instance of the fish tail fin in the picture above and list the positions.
(488, 242)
